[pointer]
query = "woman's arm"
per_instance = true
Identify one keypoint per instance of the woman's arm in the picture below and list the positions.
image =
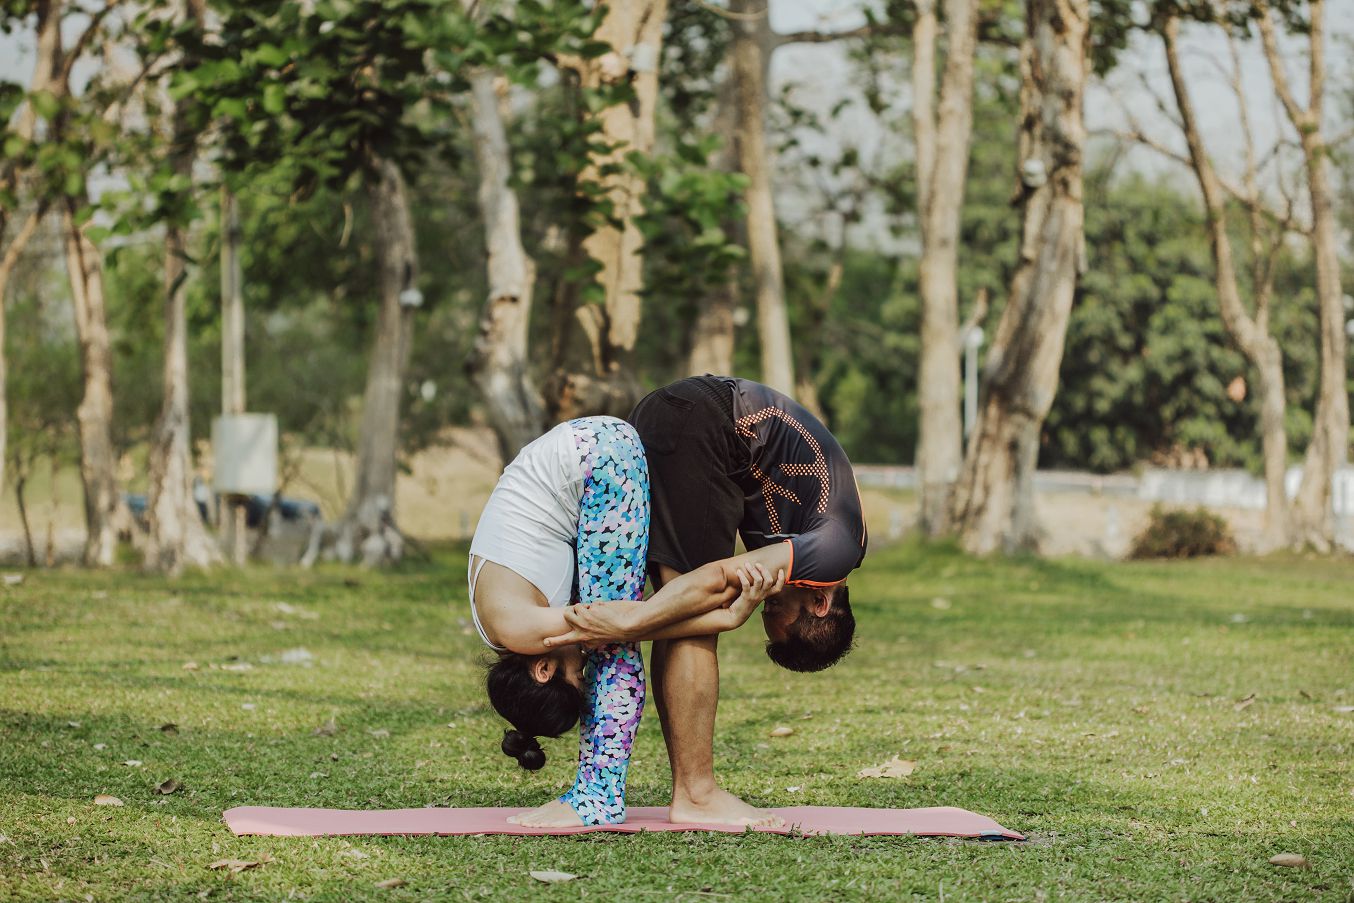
(529, 629)
(755, 583)
(705, 589)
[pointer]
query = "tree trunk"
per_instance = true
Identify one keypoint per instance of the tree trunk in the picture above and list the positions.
(178, 537)
(633, 29)
(711, 335)
(514, 407)
(98, 461)
(1251, 335)
(752, 40)
(712, 331)
(1313, 522)
(20, 484)
(234, 518)
(49, 559)
(368, 526)
(8, 261)
(942, 170)
(46, 66)
(993, 501)
(809, 354)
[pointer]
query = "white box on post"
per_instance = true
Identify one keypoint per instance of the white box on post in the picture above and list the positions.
(244, 447)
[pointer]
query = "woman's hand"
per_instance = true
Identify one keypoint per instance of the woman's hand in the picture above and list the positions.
(757, 585)
(596, 624)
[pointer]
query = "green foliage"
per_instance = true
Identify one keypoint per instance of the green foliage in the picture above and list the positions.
(688, 204)
(1177, 533)
(326, 89)
(44, 386)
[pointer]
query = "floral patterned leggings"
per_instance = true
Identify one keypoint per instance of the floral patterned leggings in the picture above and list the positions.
(612, 545)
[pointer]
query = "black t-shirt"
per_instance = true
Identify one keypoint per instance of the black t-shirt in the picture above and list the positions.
(799, 487)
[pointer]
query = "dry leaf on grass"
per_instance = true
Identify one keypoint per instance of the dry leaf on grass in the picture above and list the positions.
(1290, 860)
(13, 579)
(165, 788)
(191, 666)
(551, 877)
(781, 731)
(235, 866)
(893, 768)
(328, 729)
(390, 882)
(104, 799)
(1344, 709)
(1242, 704)
(132, 763)
(237, 666)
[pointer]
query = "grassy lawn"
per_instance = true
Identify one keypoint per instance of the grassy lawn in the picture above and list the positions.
(1159, 731)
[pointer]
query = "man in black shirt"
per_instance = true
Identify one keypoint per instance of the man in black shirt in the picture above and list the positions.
(728, 458)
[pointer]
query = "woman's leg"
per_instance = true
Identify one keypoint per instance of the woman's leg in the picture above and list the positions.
(612, 544)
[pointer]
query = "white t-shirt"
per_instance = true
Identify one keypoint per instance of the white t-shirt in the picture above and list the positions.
(530, 523)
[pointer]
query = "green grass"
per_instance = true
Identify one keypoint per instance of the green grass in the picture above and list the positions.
(1092, 706)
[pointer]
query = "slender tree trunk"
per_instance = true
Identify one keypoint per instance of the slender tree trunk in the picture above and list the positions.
(809, 354)
(178, 537)
(993, 500)
(712, 331)
(20, 484)
(49, 559)
(46, 66)
(368, 526)
(98, 461)
(512, 403)
(1250, 334)
(942, 170)
(8, 261)
(711, 335)
(633, 29)
(1313, 516)
(752, 42)
(235, 517)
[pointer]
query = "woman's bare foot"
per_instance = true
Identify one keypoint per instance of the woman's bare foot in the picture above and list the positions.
(721, 808)
(553, 814)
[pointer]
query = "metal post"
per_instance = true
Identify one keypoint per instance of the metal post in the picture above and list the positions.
(972, 342)
(232, 350)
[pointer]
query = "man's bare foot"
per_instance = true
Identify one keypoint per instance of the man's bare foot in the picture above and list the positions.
(553, 814)
(722, 808)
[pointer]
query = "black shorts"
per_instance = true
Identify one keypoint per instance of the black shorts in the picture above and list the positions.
(695, 459)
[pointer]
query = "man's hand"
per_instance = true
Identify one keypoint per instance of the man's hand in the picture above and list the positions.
(757, 585)
(596, 624)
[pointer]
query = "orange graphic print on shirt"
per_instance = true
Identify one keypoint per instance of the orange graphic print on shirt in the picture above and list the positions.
(770, 488)
(798, 486)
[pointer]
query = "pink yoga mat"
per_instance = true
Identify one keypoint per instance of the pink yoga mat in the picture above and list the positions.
(939, 821)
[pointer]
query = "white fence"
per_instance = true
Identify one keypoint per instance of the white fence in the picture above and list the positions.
(1209, 488)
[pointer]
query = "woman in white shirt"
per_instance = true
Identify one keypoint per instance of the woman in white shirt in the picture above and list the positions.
(568, 521)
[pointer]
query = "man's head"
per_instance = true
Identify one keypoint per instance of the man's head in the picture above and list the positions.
(808, 628)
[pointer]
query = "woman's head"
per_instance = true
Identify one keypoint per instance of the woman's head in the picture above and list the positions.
(539, 696)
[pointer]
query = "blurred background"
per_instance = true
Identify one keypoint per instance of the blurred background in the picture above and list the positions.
(292, 280)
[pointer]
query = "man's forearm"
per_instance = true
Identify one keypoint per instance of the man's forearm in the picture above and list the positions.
(702, 591)
(711, 622)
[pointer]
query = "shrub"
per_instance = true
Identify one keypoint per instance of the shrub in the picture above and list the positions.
(1177, 533)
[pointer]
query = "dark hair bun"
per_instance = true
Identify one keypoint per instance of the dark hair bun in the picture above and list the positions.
(524, 748)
